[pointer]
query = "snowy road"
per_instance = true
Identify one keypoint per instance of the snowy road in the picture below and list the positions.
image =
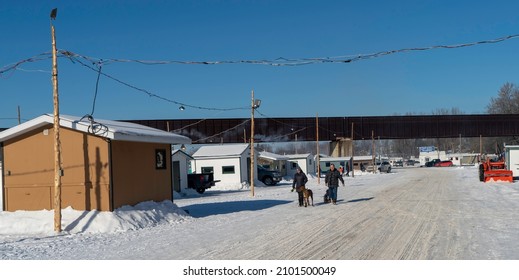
(412, 213)
(420, 213)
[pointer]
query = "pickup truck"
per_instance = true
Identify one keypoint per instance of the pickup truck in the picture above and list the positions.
(269, 177)
(201, 181)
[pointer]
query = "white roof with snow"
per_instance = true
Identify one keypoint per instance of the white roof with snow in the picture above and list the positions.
(272, 156)
(114, 130)
(297, 156)
(219, 151)
(345, 158)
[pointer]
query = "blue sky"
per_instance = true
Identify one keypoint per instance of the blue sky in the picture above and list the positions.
(409, 82)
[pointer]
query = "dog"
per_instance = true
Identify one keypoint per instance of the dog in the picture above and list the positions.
(327, 197)
(308, 196)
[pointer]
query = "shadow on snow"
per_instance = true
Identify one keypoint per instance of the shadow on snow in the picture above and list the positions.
(218, 208)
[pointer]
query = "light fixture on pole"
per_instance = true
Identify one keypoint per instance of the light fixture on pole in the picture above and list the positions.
(255, 103)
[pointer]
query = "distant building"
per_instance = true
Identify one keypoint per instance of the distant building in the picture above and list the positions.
(429, 153)
(463, 158)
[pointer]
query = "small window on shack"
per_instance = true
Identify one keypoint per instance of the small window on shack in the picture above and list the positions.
(228, 169)
(207, 169)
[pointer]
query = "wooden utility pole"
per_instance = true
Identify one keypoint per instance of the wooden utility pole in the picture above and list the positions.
(252, 146)
(480, 146)
(352, 152)
(373, 150)
(460, 149)
(318, 162)
(57, 144)
(19, 116)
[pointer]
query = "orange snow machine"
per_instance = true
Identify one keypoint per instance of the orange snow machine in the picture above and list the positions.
(494, 170)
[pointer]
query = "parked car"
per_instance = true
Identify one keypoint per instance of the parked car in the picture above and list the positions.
(398, 163)
(269, 177)
(444, 163)
(384, 167)
(432, 162)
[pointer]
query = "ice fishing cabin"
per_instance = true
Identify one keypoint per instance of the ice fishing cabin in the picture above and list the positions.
(105, 164)
(304, 161)
(229, 163)
(273, 161)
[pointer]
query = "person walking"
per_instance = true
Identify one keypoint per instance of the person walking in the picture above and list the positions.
(332, 181)
(299, 183)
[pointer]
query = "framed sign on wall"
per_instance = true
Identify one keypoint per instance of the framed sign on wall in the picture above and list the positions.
(160, 159)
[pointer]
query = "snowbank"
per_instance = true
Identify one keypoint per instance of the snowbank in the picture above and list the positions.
(145, 214)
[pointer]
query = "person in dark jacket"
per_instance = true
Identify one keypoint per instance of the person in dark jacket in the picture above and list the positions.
(298, 184)
(332, 181)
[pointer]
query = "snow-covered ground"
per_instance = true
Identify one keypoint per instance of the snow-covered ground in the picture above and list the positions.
(411, 213)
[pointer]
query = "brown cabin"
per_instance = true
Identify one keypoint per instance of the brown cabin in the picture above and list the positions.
(106, 164)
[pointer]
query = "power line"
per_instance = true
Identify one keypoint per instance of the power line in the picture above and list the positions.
(212, 136)
(74, 58)
(281, 61)
(280, 122)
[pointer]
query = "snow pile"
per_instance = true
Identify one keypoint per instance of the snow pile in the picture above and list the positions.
(142, 215)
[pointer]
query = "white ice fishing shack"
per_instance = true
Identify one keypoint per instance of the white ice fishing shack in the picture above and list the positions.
(512, 159)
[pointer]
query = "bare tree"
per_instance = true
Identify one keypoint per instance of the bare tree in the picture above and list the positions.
(506, 102)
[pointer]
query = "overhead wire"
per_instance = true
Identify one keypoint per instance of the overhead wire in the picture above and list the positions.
(15, 66)
(275, 120)
(74, 58)
(222, 132)
(281, 61)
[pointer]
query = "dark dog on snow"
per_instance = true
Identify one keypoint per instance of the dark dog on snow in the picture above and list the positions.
(327, 197)
(308, 196)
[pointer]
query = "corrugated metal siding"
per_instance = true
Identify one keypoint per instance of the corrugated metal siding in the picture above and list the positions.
(331, 128)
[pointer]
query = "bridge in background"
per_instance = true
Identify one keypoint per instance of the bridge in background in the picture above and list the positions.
(332, 128)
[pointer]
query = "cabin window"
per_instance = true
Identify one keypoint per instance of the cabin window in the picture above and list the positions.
(207, 169)
(228, 169)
